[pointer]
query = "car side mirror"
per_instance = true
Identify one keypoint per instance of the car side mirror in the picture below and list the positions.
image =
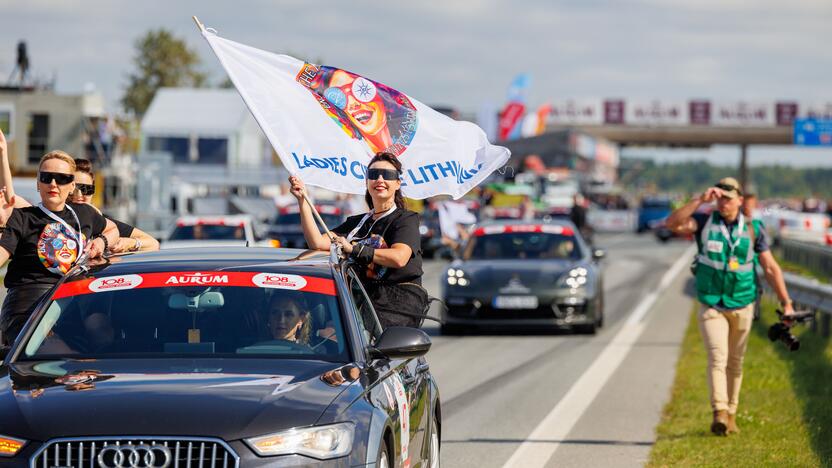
(401, 343)
(598, 254)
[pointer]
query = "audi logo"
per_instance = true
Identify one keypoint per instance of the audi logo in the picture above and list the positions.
(134, 456)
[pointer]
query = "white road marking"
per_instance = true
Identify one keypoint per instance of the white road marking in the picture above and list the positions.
(545, 439)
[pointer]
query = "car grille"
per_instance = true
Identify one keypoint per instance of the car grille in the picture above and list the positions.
(103, 452)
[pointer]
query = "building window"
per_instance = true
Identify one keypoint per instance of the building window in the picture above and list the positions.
(38, 137)
(176, 146)
(213, 150)
(6, 118)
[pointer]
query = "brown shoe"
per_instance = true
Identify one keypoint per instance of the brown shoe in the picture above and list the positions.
(732, 424)
(720, 424)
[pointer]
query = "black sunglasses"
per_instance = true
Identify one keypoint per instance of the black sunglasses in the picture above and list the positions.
(728, 188)
(386, 174)
(86, 189)
(59, 177)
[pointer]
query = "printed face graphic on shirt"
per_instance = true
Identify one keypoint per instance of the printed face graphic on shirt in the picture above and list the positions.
(57, 248)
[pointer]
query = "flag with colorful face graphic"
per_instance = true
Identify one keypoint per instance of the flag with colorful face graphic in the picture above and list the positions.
(326, 123)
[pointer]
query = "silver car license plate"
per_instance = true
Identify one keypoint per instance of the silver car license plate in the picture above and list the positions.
(515, 302)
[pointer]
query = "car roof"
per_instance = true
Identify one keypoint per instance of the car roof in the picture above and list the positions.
(514, 222)
(230, 219)
(227, 258)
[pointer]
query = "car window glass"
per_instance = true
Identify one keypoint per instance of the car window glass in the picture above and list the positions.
(523, 246)
(192, 319)
(370, 327)
(208, 232)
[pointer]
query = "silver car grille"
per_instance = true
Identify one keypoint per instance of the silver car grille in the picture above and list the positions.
(132, 452)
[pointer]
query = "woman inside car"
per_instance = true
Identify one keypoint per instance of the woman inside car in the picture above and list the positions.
(45, 241)
(384, 243)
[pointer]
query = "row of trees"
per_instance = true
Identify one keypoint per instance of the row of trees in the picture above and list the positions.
(690, 177)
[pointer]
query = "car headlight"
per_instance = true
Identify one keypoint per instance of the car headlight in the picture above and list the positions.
(456, 277)
(9, 446)
(574, 279)
(322, 442)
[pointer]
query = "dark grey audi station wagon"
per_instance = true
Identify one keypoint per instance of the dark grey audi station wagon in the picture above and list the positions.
(205, 358)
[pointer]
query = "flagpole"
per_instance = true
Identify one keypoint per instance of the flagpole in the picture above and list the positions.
(198, 24)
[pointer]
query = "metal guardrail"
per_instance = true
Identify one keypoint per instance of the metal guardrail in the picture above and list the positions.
(815, 257)
(812, 295)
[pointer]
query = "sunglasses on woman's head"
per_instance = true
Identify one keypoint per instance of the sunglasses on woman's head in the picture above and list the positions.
(386, 174)
(59, 177)
(86, 189)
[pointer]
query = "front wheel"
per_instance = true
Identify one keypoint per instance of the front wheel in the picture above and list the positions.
(383, 456)
(433, 461)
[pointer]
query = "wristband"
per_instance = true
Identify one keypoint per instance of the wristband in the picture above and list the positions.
(106, 244)
(138, 245)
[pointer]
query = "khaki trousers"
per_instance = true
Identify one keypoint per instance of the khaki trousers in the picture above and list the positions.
(726, 337)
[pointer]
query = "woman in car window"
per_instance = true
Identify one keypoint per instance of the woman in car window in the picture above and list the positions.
(384, 242)
(44, 241)
(288, 320)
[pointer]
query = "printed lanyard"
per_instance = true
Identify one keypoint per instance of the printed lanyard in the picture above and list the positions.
(367, 216)
(78, 236)
(733, 244)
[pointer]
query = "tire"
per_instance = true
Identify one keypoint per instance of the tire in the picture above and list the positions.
(383, 459)
(434, 452)
(588, 329)
(600, 322)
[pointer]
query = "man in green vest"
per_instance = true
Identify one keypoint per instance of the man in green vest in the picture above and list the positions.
(729, 245)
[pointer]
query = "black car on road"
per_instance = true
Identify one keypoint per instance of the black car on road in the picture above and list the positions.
(286, 231)
(531, 274)
(224, 358)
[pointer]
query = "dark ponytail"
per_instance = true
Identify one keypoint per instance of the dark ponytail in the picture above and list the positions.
(398, 199)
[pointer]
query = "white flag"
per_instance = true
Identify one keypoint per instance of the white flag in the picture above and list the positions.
(326, 123)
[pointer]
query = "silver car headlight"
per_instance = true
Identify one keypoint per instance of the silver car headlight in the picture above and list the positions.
(456, 277)
(576, 278)
(322, 442)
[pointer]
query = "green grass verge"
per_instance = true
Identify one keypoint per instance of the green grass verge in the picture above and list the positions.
(785, 411)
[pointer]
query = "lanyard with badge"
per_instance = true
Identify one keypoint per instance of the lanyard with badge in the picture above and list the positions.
(733, 261)
(79, 238)
(367, 216)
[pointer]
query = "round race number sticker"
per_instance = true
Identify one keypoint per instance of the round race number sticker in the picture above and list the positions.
(115, 283)
(279, 281)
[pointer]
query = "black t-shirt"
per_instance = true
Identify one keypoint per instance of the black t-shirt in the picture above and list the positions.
(124, 229)
(41, 249)
(399, 227)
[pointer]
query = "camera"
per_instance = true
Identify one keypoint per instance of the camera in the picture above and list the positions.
(781, 330)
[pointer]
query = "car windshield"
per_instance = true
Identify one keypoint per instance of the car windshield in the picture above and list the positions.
(330, 220)
(198, 314)
(522, 245)
(208, 232)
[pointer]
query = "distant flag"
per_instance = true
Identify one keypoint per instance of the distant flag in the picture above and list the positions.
(512, 114)
(325, 123)
(534, 123)
(487, 120)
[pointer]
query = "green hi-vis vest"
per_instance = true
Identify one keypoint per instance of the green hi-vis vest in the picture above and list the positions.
(725, 276)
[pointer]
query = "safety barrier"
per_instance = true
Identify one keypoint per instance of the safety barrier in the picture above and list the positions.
(811, 295)
(612, 220)
(815, 257)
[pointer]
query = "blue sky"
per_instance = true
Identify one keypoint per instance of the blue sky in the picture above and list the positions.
(463, 53)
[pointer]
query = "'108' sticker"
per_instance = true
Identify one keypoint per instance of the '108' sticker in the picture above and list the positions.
(115, 283)
(279, 281)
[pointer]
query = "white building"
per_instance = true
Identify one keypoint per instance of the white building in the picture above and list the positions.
(205, 127)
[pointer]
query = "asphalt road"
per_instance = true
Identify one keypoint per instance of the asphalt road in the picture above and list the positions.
(558, 399)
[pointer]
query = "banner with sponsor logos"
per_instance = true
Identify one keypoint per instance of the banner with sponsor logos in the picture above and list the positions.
(325, 123)
(187, 279)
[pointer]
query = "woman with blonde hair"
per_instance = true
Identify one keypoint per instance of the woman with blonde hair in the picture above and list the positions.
(45, 241)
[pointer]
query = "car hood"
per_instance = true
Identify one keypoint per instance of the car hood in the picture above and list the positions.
(211, 398)
(512, 276)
